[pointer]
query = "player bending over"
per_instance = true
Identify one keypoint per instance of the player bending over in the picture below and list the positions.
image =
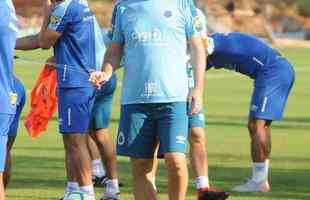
(21, 98)
(273, 79)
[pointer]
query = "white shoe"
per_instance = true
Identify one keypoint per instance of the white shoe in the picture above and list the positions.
(252, 186)
(78, 196)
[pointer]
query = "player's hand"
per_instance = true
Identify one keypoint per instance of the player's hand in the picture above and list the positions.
(99, 78)
(195, 101)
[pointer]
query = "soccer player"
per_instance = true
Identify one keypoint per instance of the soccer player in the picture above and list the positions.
(273, 79)
(21, 98)
(99, 131)
(71, 28)
(197, 138)
(151, 38)
(8, 97)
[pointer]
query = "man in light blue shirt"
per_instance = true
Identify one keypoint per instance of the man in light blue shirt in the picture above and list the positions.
(8, 97)
(151, 38)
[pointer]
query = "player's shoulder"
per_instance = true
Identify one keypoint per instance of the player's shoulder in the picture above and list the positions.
(69, 7)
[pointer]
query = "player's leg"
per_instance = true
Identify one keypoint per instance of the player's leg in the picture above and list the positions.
(108, 155)
(98, 170)
(75, 111)
(5, 122)
(143, 179)
(100, 133)
(172, 127)
(79, 159)
(137, 140)
(8, 163)
(199, 159)
(177, 175)
(268, 102)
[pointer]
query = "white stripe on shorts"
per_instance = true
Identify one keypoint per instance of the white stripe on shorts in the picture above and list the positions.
(264, 104)
(69, 116)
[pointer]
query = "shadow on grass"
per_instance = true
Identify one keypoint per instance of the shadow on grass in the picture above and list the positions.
(43, 174)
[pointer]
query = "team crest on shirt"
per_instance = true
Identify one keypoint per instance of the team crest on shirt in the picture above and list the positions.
(168, 13)
(54, 19)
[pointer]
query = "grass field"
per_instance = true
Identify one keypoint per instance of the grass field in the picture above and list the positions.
(39, 163)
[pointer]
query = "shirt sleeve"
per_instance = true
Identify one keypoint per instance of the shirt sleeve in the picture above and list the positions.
(192, 21)
(59, 18)
(117, 33)
(202, 23)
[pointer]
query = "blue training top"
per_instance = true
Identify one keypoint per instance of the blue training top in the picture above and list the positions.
(239, 52)
(80, 49)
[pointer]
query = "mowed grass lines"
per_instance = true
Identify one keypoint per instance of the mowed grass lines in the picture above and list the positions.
(39, 174)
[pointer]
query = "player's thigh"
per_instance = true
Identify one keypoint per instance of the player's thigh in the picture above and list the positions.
(172, 128)
(136, 135)
(101, 112)
(75, 108)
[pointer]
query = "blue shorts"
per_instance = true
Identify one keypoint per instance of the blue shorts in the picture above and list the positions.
(75, 108)
(141, 125)
(196, 120)
(5, 122)
(272, 88)
(14, 125)
(101, 112)
(102, 109)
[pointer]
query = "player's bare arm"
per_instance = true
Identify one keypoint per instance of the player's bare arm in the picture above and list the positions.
(47, 36)
(111, 62)
(199, 62)
(27, 43)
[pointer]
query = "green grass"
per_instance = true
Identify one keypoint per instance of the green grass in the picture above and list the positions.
(39, 174)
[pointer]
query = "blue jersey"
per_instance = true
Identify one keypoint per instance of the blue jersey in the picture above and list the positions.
(8, 30)
(240, 52)
(80, 49)
(154, 35)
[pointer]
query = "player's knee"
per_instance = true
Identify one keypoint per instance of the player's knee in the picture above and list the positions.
(141, 167)
(257, 131)
(256, 128)
(176, 162)
(197, 137)
(75, 145)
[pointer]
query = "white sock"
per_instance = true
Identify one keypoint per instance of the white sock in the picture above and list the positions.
(112, 187)
(98, 168)
(260, 171)
(72, 186)
(202, 182)
(154, 183)
(88, 189)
